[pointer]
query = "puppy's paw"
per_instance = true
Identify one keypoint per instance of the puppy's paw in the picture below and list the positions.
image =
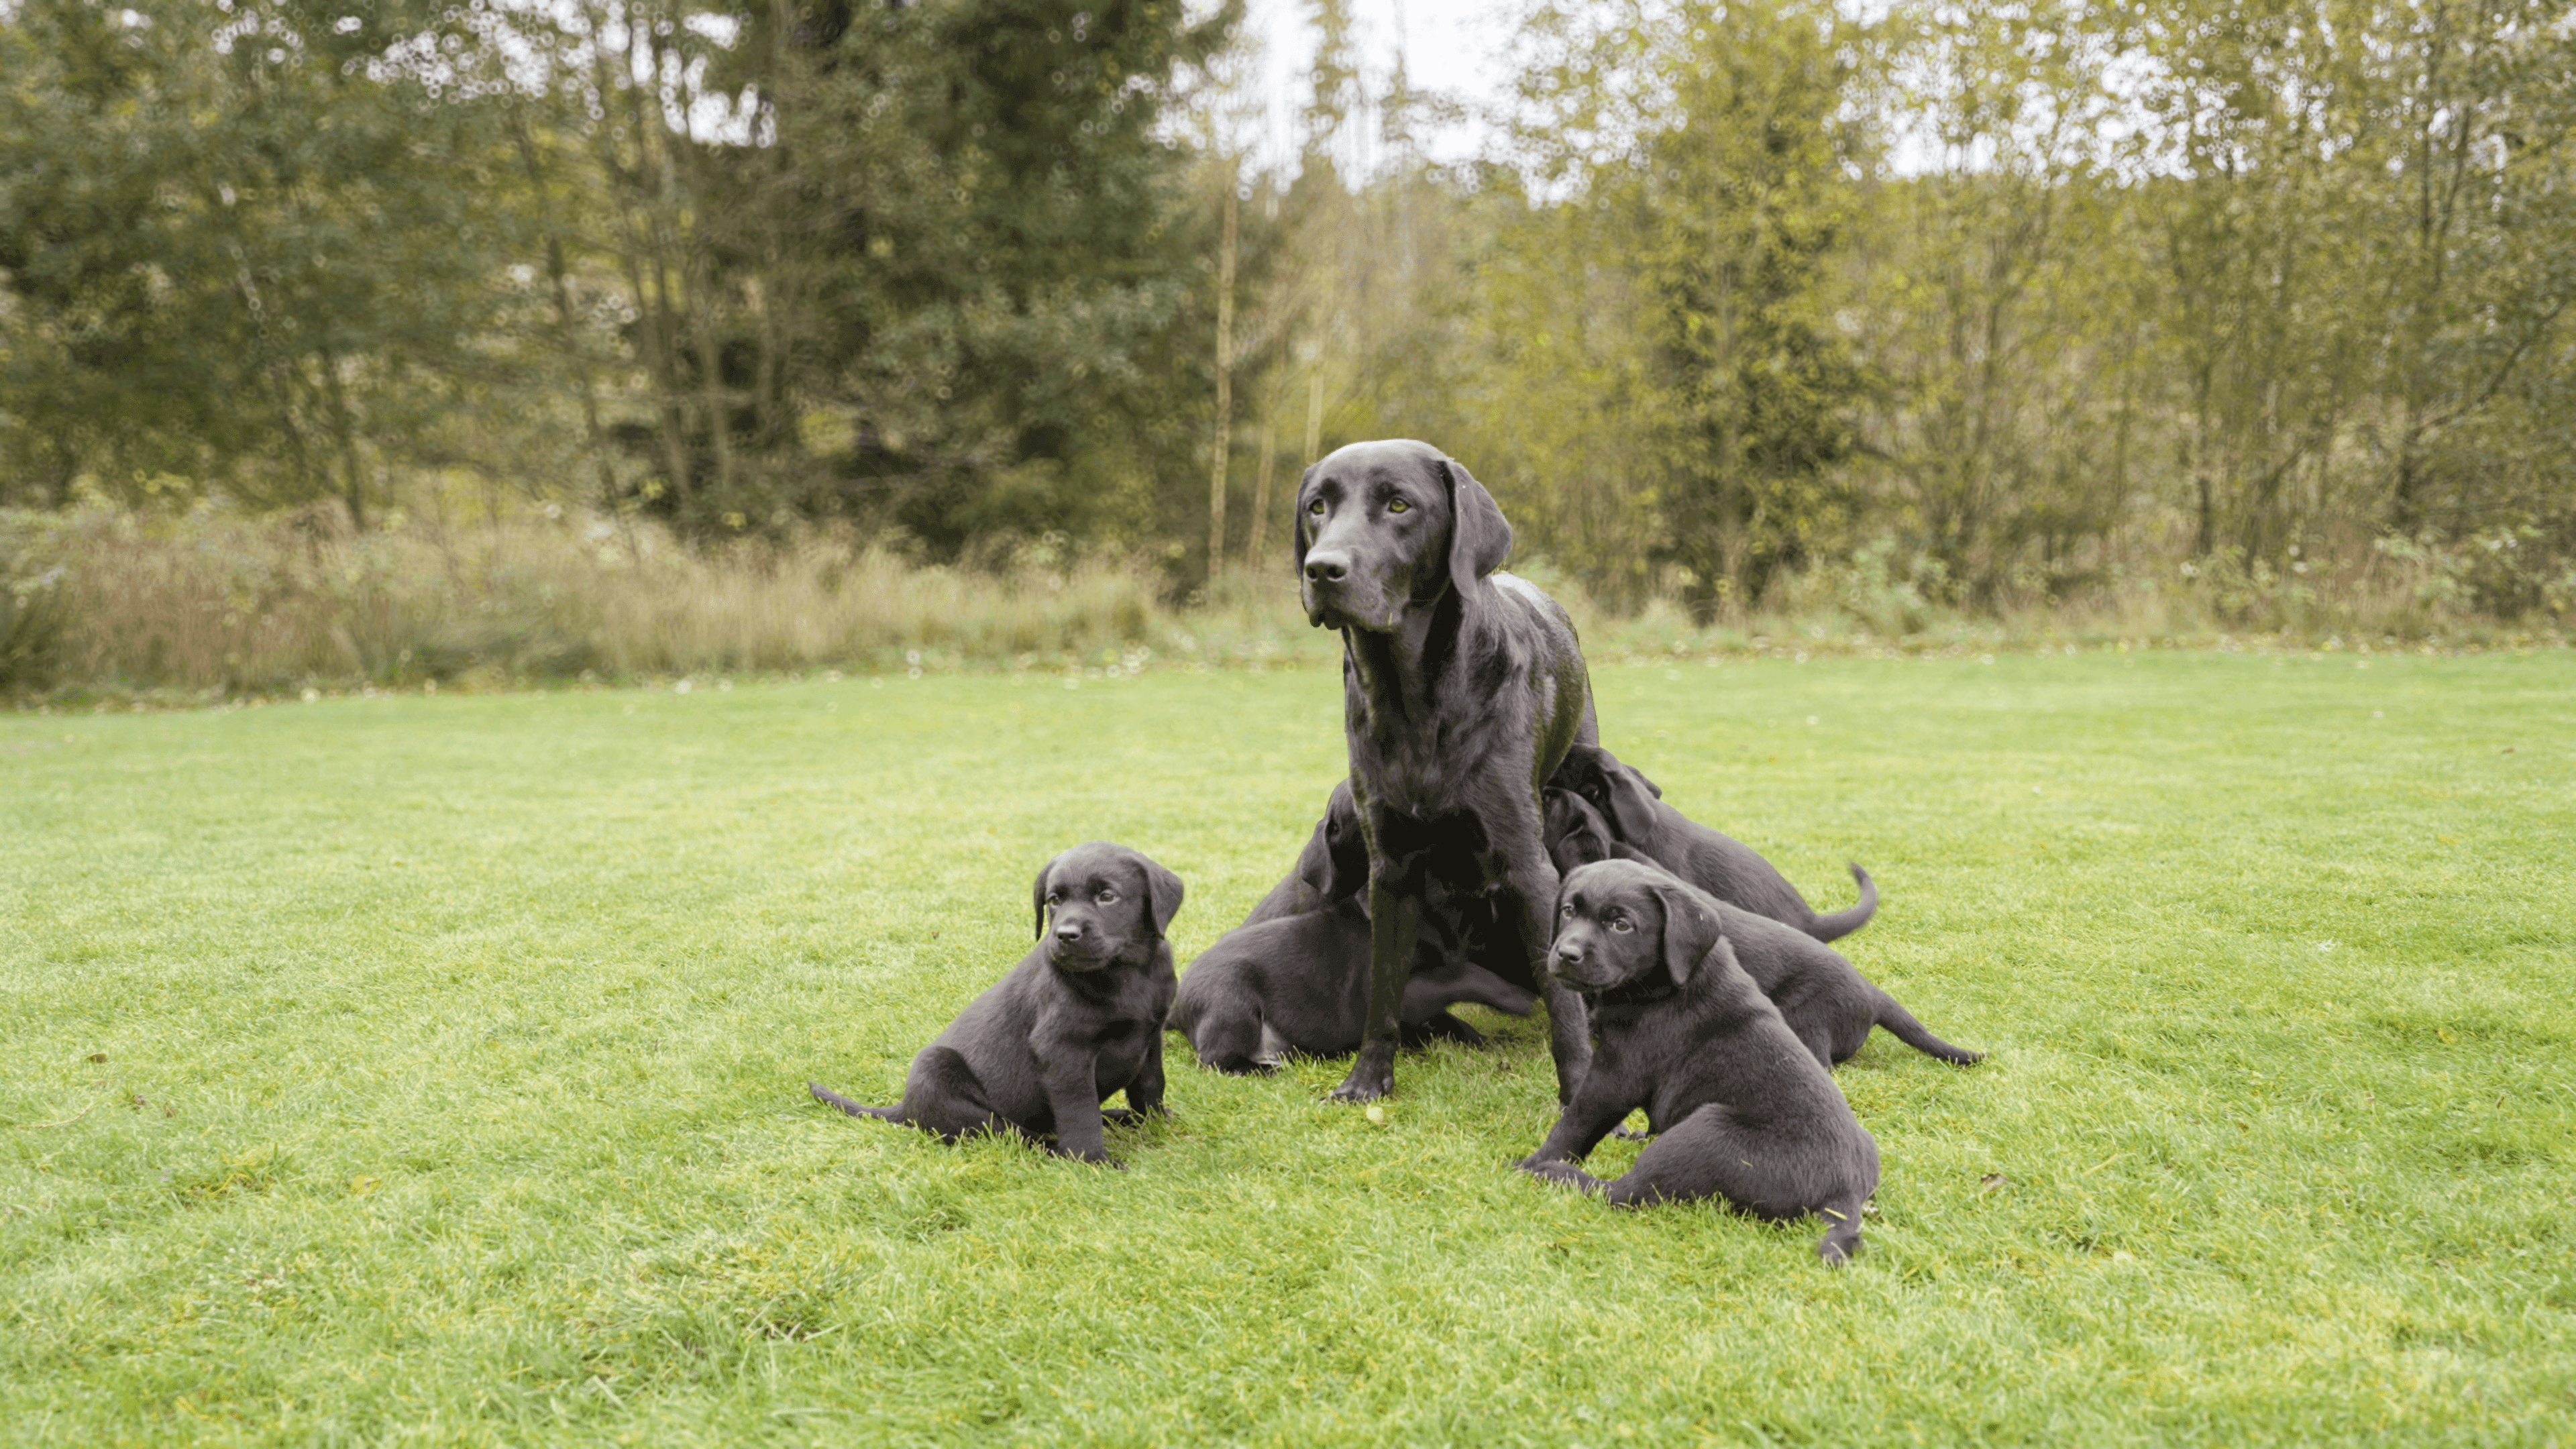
(1121, 1116)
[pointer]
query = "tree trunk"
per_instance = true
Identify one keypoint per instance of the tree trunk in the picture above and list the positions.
(1224, 390)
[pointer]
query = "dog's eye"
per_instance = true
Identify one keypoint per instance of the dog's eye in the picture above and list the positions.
(1621, 923)
(1566, 911)
(1316, 508)
(1106, 897)
(1397, 505)
(1055, 898)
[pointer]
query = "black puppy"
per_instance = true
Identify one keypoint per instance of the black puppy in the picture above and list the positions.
(1301, 983)
(1462, 689)
(1825, 999)
(1333, 865)
(1079, 1019)
(1721, 865)
(1743, 1112)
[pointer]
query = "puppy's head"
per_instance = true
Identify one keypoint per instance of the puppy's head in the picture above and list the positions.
(1628, 927)
(1384, 525)
(1573, 832)
(1626, 797)
(1101, 904)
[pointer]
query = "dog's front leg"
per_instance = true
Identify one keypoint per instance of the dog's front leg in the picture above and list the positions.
(1599, 1105)
(1145, 1089)
(1529, 883)
(1395, 920)
(1072, 1077)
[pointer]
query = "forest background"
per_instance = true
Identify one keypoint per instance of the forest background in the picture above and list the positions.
(422, 341)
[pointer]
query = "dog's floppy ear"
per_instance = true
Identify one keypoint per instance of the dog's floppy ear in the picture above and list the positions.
(1162, 892)
(1037, 895)
(1297, 518)
(1691, 932)
(1632, 802)
(1651, 787)
(1480, 538)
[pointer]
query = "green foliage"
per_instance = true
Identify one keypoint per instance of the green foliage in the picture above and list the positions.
(465, 1105)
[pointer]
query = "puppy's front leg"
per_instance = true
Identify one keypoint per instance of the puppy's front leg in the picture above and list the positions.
(1071, 1073)
(1145, 1089)
(1599, 1104)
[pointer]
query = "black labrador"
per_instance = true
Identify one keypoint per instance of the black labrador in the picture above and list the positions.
(1301, 983)
(1333, 865)
(1077, 1021)
(1828, 1003)
(1721, 865)
(1462, 690)
(1740, 1109)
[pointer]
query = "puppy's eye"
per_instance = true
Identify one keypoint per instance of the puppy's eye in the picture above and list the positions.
(1566, 912)
(1397, 505)
(1055, 898)
(1106, 897)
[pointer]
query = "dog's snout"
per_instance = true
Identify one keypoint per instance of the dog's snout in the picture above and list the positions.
(1327, 568)
(1068, 930)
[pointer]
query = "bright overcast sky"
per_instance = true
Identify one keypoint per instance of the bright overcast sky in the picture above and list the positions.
(1453, 46)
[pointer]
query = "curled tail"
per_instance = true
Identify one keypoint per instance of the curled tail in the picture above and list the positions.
(1843, 923)
(1913, 1033)
(830, 1098)
(1843, 1238)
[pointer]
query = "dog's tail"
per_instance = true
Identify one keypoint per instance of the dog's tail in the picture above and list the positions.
(1843, 1238)
(1843, 923)
(830, 1098)
(1915, 1034)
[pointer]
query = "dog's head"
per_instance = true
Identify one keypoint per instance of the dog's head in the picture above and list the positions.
(1573, 832)
(1101, 904)
(1628, 927)
(1336, 863)
(1384, 525)
(1617, 791)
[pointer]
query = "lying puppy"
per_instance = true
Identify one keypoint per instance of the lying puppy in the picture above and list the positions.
(1080, 1018)
(1826, 1001)
(1743, 1112)
(1720, 865)
(1301, 983)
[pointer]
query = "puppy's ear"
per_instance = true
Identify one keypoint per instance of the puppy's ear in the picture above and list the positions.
(1479, 536)
(1162, 893)
(1297, 519)
(1651, 787)
(1632, 802)
(1037, 895)
(1691, 932)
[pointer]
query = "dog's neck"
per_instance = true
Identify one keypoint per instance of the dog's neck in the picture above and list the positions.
(1399, 670)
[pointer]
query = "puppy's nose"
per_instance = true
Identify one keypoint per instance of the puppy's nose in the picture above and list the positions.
(1068, 930)
(1569, 956)
(1327, 568)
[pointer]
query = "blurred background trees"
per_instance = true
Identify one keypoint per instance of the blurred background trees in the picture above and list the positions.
(1986, 307)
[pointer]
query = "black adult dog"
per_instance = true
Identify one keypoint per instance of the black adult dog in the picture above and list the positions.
(1462, 690)
(1077, 1021)
(1742, 1111)
(1301, 983)
(1826, 1001)
(1720, 865)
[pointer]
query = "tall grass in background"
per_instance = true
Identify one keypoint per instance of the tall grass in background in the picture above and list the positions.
(211, 602)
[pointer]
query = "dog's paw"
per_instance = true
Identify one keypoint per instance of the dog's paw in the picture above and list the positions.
(1356, 1088)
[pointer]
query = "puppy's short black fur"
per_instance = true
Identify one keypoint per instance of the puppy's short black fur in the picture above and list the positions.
(1301, 983)
(1741, 1109)
(1824, 998)
(1721, 865)
(1333, 866)
(1077, 1021)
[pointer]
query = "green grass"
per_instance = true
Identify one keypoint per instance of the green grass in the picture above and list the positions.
(431, 1070)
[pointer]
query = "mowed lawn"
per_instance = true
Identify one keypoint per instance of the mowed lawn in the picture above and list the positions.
(432, 1070)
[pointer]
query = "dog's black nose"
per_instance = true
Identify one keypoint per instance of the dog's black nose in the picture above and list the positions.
(1569, 955)
(1069, 931)
(1327, 568)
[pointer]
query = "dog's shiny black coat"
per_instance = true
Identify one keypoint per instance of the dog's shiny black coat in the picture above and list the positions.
(1332, 866)
(1462, 690)
(1301, 983)
(1826, 1001)
(1741, 1109)
(1721, 865)
(1079, 1020)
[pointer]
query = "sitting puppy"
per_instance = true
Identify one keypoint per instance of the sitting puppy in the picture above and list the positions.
(1826, 1001)
(1720, 865)
(1742, 1111)
(1080, 1017)
(1300, 983)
